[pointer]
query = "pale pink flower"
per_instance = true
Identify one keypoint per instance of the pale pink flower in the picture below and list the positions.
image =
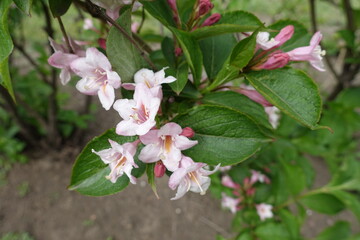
(230, 203)
(258, 177)
(264, 211)
(112, 7)
(275, 60)
(263, 41)
(152, 80)
(311, 53)
(120, 159)
(135, 27)
(190, 176)
(166, 145)
(97, 76)
(88, 24)
(138, 114)
(228, 182)
(274, 116)
(62, 58)
(225, 169)
(214, 18)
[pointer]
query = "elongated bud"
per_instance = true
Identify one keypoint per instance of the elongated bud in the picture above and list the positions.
(214, 18)
(255, 96)
(204, 7)
(187, 132)
(178, 52)
(275, 60)
(159, 169)
(250, 191)
(102, 43)
(172, 4)
(285, 34)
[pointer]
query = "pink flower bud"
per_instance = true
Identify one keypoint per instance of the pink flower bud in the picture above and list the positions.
(214, 18)
(178, 52)
(204, 7)
(187, 132)
(172, 4)
(255, 96)
(102, 43)
(250, 192)
(159, 169)
(275, 60)
(284, 35)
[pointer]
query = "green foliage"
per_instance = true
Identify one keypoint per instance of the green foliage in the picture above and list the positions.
(340, 230)
(243, 52)
(17, 236)
(24, 5)
(59, 8)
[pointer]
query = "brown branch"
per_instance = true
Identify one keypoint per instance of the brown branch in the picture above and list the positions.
(62, 28)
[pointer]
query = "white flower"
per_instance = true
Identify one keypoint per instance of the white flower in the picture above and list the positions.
(264, 211)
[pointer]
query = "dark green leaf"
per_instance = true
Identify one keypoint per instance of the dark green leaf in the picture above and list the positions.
(219, 29)
(292, 91)
(243, 52)
(192, 53)
(89, 171)
(323, 203)
(160, 10)
(272, 231)
(225, 136)
(226, 74)
(24, 5)
(181, 75)
(124, 57)
(351, 201)
(295, 177)
(349, 97)
(59, 8)
(168, 49)
(291, 222)
(240, 18)
(240, 103)
(340, 230)
(216, 51)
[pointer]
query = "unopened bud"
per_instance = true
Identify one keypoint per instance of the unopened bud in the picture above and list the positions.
(172, 4)
(250, 192)
(187, 132)
(178, 52)
(284, 35)
(159, 169)
(214, 18)
(255, 96)
(102, 43)
(204, 7)
(275, 60)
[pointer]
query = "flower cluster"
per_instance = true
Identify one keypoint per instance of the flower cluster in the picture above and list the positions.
(275, 58)
(245, 191)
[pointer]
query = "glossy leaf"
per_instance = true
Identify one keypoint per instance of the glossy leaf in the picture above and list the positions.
(192, 53)
(239, 103)
(24, 5)
(225, 136)
(59, 8)
(227, 73)
(6, 47)
(160, 10)
(123, 56)
(168, 49)
(340, 230)
(243, 52)
(323, 203)
(181, 75)
(292, 91)
(240, 18)
(89, 171)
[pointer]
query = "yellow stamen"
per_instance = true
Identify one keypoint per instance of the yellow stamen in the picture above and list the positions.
(194, 178)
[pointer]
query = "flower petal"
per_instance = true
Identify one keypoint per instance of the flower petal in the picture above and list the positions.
(106, 95)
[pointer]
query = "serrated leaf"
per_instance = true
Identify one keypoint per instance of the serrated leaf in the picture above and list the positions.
(192, 53)
(292, 91)
(24, 5)
(224, 135)
(240, 103)
(123, 56)
(59, 8)
(89, 171)
(323, 203)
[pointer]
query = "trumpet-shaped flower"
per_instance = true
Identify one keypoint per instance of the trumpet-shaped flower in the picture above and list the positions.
(152, 80)
(264, 211)
(263, 41)
(62, 58)
(230, 203)
(190, 176)
(276, 60)
(311, 53)
(138, 114)
(165, 144)
(120, 159)
(97, 76)
(228, 182)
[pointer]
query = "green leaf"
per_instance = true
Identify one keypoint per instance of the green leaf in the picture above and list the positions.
(240, 103)
(219, 29)
(349, 97)
(124, 57)
(6, 47)
(291, 222)
(244, 51)
(295, 177)
(340, 230)
(89, 171)
(181, 75)
(300, 38)
(323, 203)
(226, 74)
(151, 177)
(224, 135)
(168, 49)
(216, 51)
(59, 8)
(241, 18)
(272, 231)
(292, 91)
(192, 53)
(351, 201)
(24, 5)
(160, 10)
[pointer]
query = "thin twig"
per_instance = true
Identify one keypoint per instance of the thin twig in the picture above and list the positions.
(65, 35)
